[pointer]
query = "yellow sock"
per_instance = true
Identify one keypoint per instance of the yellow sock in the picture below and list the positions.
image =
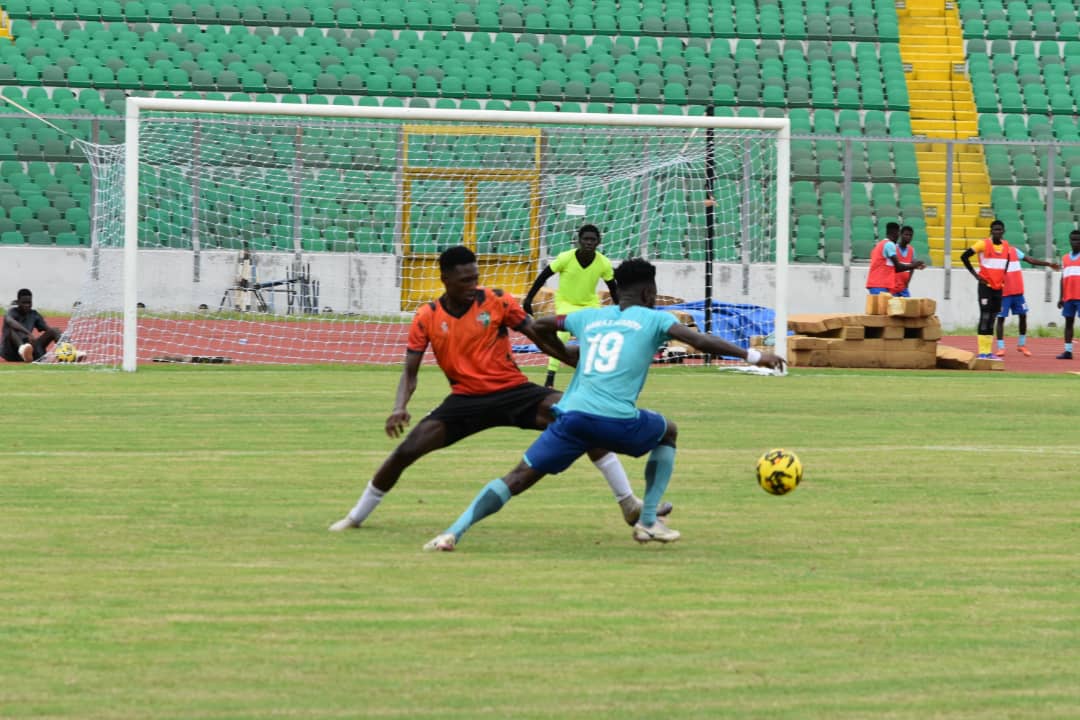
(986, 342)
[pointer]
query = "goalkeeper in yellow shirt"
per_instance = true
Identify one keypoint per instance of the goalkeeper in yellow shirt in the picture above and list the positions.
(579, 271)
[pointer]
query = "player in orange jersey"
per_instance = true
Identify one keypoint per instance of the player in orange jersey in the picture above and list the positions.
(468, 328)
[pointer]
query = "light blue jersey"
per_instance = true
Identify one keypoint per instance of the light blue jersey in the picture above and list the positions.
(617, 348)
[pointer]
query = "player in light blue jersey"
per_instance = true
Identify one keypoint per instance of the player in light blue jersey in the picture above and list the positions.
(599, 408)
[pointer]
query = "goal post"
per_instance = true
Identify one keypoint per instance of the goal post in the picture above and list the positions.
(270, 232)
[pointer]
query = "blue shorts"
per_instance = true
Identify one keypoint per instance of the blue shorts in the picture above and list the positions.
(903, 293)
(1016, 303)
(574, 433)
(1071, 308)
(876, 291)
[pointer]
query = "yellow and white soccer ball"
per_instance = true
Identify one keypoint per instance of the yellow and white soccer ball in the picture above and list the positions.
(779, 471)
(66, 353)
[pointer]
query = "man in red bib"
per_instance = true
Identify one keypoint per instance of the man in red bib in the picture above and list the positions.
(891, 263)
(1013, 300)
(1069, 299)
(993, 261)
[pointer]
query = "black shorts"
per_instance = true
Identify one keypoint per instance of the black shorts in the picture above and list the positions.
(465, 415)
(9, 350)
(989, 300)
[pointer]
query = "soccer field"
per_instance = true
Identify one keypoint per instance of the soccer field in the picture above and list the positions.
(164, 554)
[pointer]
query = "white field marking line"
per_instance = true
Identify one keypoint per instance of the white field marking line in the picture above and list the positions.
(1056, 449)
(1065, 450)
(260, 370)
(196, 393)
(185, 453)
(1020, 449)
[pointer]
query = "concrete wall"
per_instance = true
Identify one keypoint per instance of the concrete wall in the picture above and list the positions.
(367, 283)
(347, 283)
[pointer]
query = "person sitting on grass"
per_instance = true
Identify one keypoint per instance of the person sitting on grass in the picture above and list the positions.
(19, 343)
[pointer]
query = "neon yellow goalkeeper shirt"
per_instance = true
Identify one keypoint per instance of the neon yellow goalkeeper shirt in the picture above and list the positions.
(577, 285)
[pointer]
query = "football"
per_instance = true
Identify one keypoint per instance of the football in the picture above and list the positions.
(66, 353)
(779, 471)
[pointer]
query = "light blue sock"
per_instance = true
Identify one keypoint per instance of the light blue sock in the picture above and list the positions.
(1021, 341)
(1001, 343)
(487, 502)
(657, 475)
(1068, 347)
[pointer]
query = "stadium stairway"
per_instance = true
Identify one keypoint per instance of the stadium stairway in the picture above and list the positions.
(943, 106)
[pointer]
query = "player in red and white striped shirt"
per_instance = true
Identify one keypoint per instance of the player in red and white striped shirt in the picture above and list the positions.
(1069, 299)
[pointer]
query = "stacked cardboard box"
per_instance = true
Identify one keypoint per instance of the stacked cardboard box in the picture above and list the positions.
(893, 333)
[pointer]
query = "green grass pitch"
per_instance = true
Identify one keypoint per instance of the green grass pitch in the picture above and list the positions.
(164, 554)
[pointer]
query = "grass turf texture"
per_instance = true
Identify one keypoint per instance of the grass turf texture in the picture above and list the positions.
(165, 554)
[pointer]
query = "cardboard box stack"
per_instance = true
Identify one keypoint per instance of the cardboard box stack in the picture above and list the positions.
(894, 332)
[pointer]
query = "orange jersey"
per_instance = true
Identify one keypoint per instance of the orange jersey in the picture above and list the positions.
(473, 350)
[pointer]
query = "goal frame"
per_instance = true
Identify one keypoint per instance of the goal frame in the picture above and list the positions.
(136, 105)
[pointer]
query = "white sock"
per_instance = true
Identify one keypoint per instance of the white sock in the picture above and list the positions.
(366, 504)
(612, 470)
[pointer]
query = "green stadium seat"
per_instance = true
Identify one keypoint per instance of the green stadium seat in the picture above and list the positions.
(806, 249)
(862, 245)
(252, 82)
(253, 15)
(277, 82)
(182, 13)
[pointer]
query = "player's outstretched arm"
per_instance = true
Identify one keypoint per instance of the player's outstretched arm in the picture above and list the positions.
(543, 332)
(542, 278)
(1041, 263)
(399, 418)
(716, 346)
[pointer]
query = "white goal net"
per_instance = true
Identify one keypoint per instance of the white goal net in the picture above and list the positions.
(260, 233)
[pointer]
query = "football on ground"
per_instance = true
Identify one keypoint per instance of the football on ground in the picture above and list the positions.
(779, 471)
(66, 353)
